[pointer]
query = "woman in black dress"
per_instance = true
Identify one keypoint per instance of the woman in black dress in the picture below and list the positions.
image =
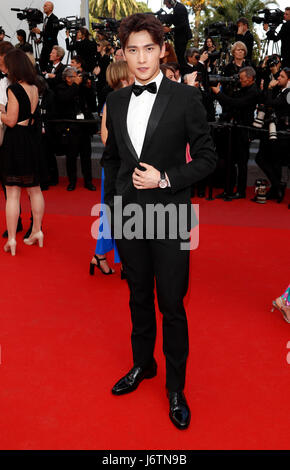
(21, 151)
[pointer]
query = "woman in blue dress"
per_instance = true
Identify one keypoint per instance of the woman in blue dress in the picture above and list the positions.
(118, 76)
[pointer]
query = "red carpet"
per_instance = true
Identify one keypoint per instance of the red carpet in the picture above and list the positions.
(65, 337)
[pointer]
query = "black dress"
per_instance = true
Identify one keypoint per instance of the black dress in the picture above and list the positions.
(21, 149)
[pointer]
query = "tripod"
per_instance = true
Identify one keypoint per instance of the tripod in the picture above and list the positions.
(32, 39)
(267, 46)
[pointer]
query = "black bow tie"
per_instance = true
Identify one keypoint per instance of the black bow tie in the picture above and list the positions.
(138, 89)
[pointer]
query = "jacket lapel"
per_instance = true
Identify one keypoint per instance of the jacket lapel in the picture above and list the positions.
(123, 111)
(160, 103)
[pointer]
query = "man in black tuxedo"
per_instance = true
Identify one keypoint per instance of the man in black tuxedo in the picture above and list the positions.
(53, 75)
(181, 31)
(48, 34)
(149, 125)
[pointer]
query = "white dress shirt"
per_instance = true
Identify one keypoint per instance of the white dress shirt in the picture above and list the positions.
(139, 111)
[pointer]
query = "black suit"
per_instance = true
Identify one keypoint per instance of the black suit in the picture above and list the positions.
(57, 71)
(182, 31)
(49, 39)
(177, 117)
(248, 40)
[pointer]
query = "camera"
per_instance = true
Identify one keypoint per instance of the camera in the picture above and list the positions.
(224, 30)
(107, 25)
(163, 17)
(215, 79)
(271, 17)
(32, 15)
(71, 23)
(272, 61)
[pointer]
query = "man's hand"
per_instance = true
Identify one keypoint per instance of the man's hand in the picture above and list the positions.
(265, 27)
(203, 57)
(51, 75)
(216, 89)
(191, 79)
(36, 30)
(273, 83)
(147, 179)
(166, 29)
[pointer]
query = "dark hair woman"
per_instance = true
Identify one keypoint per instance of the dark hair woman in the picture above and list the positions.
(21, 149)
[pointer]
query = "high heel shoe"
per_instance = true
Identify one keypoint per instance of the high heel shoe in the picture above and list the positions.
(280, 305)
(98, 265)
(10, 246)
(36, 237)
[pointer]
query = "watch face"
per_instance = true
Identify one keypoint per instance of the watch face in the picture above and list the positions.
(163, 184)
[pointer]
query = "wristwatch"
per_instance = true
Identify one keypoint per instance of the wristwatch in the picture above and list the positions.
(163, 182)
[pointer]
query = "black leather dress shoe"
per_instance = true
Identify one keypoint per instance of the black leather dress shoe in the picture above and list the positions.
(179, 411)
(281, 192)
(90, 186)
(71, 187)
(130, 382)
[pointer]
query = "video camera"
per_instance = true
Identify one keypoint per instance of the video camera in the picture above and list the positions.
(270, 16)
(163, 17)
(32, 15)
(224, 30)
(107, 26)
(72, 23)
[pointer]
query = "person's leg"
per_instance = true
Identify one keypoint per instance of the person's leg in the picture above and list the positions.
(136, 258)
(72, 151)
(12, 210)
(37, 208)
(171, 267)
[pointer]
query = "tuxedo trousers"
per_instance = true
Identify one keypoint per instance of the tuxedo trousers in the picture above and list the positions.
(161, 261)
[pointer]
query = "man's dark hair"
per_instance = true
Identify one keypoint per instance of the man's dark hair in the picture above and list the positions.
(85, 32)
(19, 67)
(243, 20)
(22, 33)
(174, 65)
(141, 22)
(5, 47)
(78, 59)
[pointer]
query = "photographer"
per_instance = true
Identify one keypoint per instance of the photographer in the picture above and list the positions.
(182, 32)
(194, 62)
(274, 152)
(104, 59)
(84, 47)
(22, 44)
(270, 70)
(54, 74)
(240, 110)
(76, 100)
(283, 36)
(48, 34)
(244, 35)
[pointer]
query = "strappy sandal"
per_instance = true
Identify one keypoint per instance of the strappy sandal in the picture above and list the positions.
(281, 307)
(98, 265)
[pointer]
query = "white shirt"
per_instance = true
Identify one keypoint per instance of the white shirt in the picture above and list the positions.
(139, 111)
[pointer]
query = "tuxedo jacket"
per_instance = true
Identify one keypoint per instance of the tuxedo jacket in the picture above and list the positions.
(177, 117)
(53, 82)
(49, 35)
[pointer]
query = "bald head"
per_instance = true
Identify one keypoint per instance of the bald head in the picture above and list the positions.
(48, 8)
